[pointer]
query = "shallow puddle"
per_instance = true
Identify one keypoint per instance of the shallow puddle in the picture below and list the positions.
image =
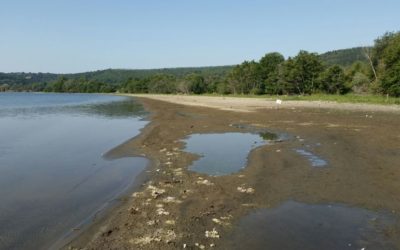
(315, 160)
(223, 153)
(295, 225)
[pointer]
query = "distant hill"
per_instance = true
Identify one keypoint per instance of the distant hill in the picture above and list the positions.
(111, 76)
(116, 76)
(343, 57)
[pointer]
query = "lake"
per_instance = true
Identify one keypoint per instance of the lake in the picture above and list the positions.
(52, 173)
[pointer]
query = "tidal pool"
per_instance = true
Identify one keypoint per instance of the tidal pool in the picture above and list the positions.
(295, 225)
(52, 173)
(222, 153)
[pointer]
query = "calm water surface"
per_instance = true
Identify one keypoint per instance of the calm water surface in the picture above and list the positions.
(52, 174)
(295, 225)
(222, 153)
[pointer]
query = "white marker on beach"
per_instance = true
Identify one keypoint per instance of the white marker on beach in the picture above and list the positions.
(278, 102)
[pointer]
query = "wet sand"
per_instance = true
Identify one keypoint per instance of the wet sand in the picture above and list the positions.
(176, 207)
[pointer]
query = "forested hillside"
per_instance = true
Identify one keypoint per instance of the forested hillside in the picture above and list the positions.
(359, 70)
(344, 57)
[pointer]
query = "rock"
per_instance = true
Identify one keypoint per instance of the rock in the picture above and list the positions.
(171, 199)
(170, 222)
(204, 182)
(212, 234)
(246, 190)
(161, 211)
(155, 192)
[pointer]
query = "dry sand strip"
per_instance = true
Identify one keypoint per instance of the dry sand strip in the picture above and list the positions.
(241, 104)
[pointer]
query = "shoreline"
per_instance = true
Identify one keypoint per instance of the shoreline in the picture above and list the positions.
(246, 104)
(176, 206)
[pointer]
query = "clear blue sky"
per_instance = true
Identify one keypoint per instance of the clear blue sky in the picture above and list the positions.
(80, 35)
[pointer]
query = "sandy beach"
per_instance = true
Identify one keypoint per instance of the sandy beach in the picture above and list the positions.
(176, 208)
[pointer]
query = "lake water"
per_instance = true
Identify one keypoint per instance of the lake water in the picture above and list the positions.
(222, 153)
(295, 225)
(52, 173)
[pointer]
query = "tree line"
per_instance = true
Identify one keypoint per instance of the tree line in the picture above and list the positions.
(376, 71)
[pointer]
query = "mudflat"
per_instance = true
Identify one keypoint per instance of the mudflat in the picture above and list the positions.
(176, 208)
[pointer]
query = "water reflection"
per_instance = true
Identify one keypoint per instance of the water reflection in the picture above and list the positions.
(295, 225)
(52, 174)
(222, 154)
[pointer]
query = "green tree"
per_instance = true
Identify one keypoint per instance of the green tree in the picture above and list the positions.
(303, 72)
(196, 83)
(332, 80)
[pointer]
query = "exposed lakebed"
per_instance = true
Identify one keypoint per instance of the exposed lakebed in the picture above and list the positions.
(52, 173)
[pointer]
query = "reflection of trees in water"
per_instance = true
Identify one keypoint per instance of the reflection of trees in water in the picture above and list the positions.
(115, 109)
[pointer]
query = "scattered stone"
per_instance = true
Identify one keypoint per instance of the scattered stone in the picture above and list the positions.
(204, 182)
(136, 194)
(161, 211)
(171, 199)
(212, 234)
(220, 222)
(155, 192)
(245, 190)
(163, 150)
(151, 222)
(170, 222)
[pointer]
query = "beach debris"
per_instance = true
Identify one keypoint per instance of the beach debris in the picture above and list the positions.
(199, 245)
(248, 205)
(161, 211)
(212, 245)
(184, 245)
(178, 171)
(220, 222)
(159, 205)
(278, 150)
(155, 192)
(175, 149)
(163, 150)
(243, 189)
(241, 176)
(136, 194)
(171, 199)
(158, 236)
(212, 234)
(151, 222)
(145, 240)
(146, 203)
(226, 217)
(169, 154)
(203, 181)
(168, 163)
(170, 222)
